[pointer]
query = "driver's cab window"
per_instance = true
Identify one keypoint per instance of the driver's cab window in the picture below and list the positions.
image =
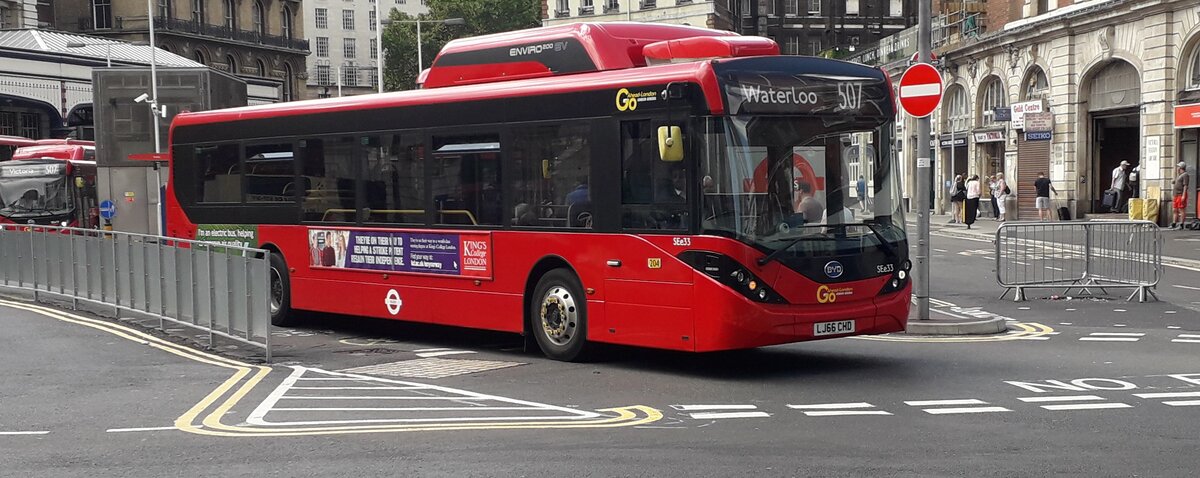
(654, 193)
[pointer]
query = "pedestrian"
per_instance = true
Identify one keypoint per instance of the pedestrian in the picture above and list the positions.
(1044, 187)
(958, 195)
(861, 188)
(991, 184)
(1120, 185)
(1000, 192)
(972, 201)
(1182, 180)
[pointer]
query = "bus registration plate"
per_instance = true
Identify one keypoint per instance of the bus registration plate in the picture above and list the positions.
(833, 328)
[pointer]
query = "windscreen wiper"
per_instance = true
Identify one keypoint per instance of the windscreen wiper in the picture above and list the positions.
(779, 252)
(887, 246)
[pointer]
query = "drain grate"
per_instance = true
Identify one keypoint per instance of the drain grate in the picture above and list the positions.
(431, 368)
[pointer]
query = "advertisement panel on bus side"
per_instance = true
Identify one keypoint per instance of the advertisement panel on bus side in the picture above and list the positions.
(465, 254)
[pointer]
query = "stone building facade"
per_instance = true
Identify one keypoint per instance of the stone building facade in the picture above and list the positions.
(259, 41)
(1070, 91)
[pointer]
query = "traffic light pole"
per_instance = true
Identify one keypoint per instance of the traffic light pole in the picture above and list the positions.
(924, 180)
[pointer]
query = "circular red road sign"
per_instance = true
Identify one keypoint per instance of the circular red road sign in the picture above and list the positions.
(920, 90)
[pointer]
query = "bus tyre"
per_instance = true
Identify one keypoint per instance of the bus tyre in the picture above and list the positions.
(558, 316)
(280, 291)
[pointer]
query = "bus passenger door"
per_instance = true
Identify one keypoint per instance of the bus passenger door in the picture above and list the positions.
(647, 292)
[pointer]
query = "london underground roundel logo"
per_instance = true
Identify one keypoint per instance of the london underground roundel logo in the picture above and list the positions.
(834, 269)
(393, 302)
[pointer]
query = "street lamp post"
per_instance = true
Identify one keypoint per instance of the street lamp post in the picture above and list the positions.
(418, 22)
(107, 50)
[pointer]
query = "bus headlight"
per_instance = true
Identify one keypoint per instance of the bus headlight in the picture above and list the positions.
(901, 274)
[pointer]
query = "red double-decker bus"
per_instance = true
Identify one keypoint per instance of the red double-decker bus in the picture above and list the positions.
(650, 185)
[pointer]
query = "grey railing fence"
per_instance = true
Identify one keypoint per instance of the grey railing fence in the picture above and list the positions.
(218, 289)
(1079, 255)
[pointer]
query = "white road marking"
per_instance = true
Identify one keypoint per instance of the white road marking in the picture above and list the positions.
(1059, 398)
(369, 398)
(1167, 395)
(1108, 339)
(25, 433)
(718, 415)
(1186, 341)
(946, 411)
(446, 352)
(1119, 310)
(430, 350)
(1087, 406)
(1174, 327)
(1183, 403)
(831, 406)
(1119, 334)
(1189, 336)
(1032, 338)
(1054, 268)
(838, 413)
(1119, 325)
(1169, 311)
(1067, 323)
(1188, 287)
(685, 408)
(144, 429)
(964, 401)
(940, 251)
(537, 411)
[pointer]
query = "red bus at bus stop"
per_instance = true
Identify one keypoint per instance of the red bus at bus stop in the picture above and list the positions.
(640, 184)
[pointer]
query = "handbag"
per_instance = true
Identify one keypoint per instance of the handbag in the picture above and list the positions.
(1007, 190)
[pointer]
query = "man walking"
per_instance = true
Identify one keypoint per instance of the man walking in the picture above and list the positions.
(1179, 211)
(1120, 184)
(1044, 187)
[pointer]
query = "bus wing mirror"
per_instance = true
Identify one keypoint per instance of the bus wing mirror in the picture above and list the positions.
(545, 169)
(670, 144)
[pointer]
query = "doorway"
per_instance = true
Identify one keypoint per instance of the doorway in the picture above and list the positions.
(1115, 138)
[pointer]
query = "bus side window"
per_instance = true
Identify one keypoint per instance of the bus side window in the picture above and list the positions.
(394, 179)
(551, 183)
(328, 171)
(270, 173)
(466, 180)
(220, 173)
(653, 193)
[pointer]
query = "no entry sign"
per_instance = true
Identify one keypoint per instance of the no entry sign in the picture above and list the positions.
(920, 90)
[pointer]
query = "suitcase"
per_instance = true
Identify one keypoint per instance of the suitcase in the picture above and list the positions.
(1064, 214)
(1110, 200)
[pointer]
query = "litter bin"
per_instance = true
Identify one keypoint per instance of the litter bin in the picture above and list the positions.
(1135, 209)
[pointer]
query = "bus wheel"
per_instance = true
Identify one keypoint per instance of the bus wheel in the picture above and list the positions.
(282, 314)
(558, 316)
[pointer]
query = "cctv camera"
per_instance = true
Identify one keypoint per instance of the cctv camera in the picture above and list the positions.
(141, 98)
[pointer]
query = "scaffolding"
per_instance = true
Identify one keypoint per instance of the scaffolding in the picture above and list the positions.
(958, 21)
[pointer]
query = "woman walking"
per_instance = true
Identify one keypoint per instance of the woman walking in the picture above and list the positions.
(972, 201)
(958, 195)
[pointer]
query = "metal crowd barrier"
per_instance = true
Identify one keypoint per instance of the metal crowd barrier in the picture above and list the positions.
(1082, 255)
(216, 288)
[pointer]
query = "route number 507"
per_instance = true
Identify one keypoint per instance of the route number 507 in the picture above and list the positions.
(849, 96)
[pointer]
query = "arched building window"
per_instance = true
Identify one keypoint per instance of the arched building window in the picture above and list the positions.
(956, 116)
(993, 96)
(1193, 82)
(260, 68)
(230, 15)
(285, 23)
(232, 62)
(260, 18)
(1036, 85)
(287, 83)
(199, 57)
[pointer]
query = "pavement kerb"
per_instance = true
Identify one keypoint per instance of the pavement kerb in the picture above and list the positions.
(943, 327)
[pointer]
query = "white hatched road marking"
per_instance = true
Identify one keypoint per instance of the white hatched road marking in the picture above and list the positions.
(837, 409)
(1071, 398)
(686, 408)
(26, 433)
(960, 401)
(1187, 339)
(831, 406)
(1086, 406)
(839, 413)
(955, 409)
(443, 352)
(946, 411)
(1183, 403)
(711, 412)
(1118, 334)
(720, 415)
(463, 401)
(1167, 395)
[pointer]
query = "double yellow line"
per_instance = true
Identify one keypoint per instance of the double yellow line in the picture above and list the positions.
(195, 420)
